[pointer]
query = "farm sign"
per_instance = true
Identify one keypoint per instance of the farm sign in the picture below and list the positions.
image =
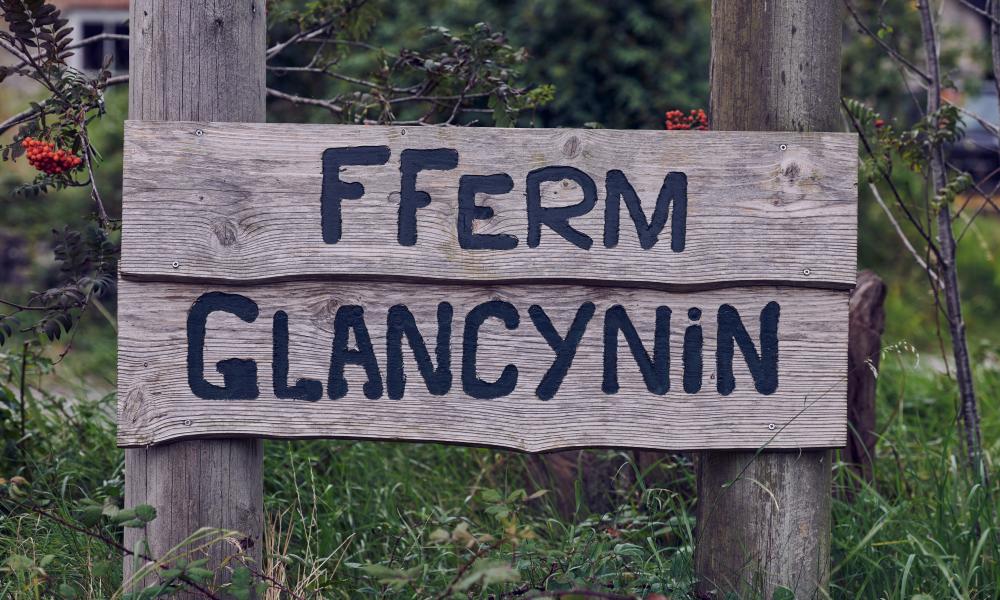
(530, 289)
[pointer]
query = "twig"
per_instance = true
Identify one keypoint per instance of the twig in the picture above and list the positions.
(24, 412)
(892, 51)
(101, 37)
(979, 11)
(902, 235)
(481, 552)
(28, 114)
(95, 194)
(330, 106)
(887, 176)
(113, 543)
(21, 117)
(314, 32)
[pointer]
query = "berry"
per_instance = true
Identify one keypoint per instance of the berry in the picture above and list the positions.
(696, 119)
(879, 122)
(46, 158)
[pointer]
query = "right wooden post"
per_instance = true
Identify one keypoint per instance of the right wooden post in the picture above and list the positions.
(764, 519)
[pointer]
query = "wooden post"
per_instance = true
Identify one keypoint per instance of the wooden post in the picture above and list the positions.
(764, 520)
(195, 60)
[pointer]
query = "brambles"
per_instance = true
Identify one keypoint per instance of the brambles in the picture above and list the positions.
(46, 158)
(696, 119)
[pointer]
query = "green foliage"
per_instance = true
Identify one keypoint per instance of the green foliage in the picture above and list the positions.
(462, 76)
(380, 520)
(620, 64)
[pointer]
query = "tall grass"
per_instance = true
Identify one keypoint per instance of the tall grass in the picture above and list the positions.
(388, 520)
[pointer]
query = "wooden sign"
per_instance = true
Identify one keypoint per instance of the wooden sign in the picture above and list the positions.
(529, 289)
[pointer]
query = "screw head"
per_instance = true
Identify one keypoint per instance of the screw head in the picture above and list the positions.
(783, 147)
(807, 272)
(187, 422)
(771, 426)
(199, 132)
(175, 264)
(402, 131)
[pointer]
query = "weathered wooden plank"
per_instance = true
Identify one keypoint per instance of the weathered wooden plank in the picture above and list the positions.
(807, 409)
(241, 203)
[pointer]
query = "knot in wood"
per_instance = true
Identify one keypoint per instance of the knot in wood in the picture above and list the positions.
(571, 149)
(225, 231)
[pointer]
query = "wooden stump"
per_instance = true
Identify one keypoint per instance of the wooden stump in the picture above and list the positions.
(867, 314)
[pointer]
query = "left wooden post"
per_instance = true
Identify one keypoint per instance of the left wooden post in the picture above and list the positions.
(197, 60)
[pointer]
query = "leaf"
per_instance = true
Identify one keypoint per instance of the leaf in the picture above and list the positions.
(145, 513)
(19, 563)
(240, 587)
(517, 495)
(782, 593)
(389, 575)
(439, 536)
(488, 572)
(199, 574)
(90, 515)
(67, 591)
(630, 550)
(490, 495)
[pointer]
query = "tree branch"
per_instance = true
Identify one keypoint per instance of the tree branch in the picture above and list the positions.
(902, 235)
(28, 114)
(330, 106)
(946, 262)
(892, 51)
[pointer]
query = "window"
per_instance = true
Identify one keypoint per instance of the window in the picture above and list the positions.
(93, 56)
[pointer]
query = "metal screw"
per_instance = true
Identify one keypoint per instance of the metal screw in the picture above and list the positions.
(770, 426)
(783, 147)
(145, 364)
(807, 272)
(402, 132)
(187, 422)
(199, 132)
(175, 264)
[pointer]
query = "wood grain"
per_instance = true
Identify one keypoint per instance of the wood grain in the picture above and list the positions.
(196, 60)
(764, 519)
(808, 409)
(241, 203)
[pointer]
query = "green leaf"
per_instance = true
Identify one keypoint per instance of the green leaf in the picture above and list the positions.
(240, 587)
(145, 513)
(67, 591)
(490, 495)
(782, 593)
(90, 515)
(487, 572)
(389, 575)
(199, 573)
(19, 563)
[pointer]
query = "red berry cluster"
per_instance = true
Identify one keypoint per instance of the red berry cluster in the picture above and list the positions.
(44, 157)
(696, 119)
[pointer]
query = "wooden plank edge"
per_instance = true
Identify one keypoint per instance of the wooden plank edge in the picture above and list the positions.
(819, 284)
(127, 440)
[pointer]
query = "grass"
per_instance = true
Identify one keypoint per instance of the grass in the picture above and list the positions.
(385, 520)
